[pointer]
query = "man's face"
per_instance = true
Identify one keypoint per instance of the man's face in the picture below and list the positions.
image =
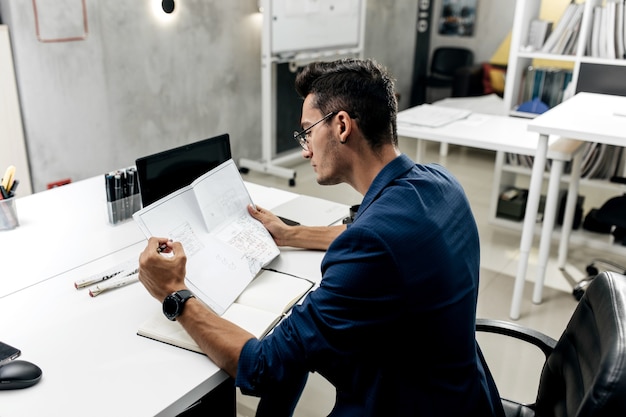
(323, 144)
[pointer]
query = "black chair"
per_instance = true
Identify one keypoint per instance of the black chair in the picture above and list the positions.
(607, 219)
(584, 373)
(444, 64)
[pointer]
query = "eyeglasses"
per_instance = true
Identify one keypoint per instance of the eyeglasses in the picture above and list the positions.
(302, 137)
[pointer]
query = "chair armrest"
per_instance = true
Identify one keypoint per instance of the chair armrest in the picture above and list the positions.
(534, 337)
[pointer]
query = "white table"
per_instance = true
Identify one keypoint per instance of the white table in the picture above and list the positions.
(93, 362)
(587, 117)
(61, 229)
(509, 134)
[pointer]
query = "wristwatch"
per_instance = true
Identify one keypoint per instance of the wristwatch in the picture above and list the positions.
(174, 303)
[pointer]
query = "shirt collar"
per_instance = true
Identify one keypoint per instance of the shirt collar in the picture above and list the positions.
(394, 169)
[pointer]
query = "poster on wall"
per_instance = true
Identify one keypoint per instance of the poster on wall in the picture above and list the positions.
(458, 17)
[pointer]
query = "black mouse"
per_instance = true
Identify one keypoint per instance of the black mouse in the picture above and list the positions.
(19, 374)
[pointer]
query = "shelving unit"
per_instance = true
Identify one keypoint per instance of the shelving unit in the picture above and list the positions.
(525, 12)
(507, 175)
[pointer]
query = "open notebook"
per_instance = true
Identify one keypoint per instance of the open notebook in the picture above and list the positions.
(225, 247)
(258, 309)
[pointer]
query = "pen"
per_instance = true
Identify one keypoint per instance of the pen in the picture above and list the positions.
(109, 182)
(13, 187)
(126, 268)
(115, 283)
(118, 186)
(92, 280)
(130, 183)
(119, 197)
(7, 179)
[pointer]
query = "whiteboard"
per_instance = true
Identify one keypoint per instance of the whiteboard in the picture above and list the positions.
(310, 25)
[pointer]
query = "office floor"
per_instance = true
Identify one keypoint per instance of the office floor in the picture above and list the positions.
(515, 367)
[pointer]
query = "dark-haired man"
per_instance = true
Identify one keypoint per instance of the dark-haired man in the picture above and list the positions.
(392, 324)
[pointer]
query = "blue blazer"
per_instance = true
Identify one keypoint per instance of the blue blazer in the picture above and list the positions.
(392, 324)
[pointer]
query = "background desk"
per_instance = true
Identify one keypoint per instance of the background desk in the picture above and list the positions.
(509, 134)
(587, 117)
(93, 362)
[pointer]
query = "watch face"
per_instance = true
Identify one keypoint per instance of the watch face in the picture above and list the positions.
(174, 303)
(170, 307)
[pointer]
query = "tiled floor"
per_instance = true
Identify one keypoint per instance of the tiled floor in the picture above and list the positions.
(514, 366)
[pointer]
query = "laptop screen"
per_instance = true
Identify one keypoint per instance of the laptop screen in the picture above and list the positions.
(165, 172)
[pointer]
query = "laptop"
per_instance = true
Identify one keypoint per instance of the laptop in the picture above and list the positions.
(162, 173)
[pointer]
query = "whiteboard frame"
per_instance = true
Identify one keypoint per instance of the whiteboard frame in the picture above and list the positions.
(270, 162)
(313, 25)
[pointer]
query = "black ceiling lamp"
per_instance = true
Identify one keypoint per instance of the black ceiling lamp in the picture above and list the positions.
(168, 6)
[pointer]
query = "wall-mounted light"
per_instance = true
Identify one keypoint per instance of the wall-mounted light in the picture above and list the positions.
(164, 12)
(168, 6)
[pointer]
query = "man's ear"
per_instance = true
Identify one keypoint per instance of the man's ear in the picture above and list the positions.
(344, 125)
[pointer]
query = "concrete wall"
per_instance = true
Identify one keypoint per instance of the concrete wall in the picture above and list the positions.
(136, 85)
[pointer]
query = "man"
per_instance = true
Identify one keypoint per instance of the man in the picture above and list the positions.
(391, 325)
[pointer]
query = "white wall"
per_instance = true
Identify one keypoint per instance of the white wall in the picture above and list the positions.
(135, 86)
(12, 144)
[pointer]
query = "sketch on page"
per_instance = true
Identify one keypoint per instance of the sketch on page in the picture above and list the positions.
(217, 274)
(185, 235)
(249, 236)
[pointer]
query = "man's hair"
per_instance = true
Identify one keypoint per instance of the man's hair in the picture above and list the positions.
(363, 88)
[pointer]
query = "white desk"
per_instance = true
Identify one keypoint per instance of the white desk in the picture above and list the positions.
(509, 134)
(587, 117)
(93, 362)
(61, 229)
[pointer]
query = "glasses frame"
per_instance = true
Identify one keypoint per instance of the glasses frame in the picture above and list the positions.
(300, 137)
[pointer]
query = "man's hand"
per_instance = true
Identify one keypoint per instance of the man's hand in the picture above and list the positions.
(162, 267)
(307, 237)
(277, 228)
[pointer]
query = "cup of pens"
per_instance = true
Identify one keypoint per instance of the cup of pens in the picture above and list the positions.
(8, 209)
(8, 214)
(122, 191)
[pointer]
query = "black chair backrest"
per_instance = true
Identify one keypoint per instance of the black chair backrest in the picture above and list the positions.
(446, 60)
(586, 373)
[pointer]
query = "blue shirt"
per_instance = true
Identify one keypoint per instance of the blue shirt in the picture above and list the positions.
(392, 324)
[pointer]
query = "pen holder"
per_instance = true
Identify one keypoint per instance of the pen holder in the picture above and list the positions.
(123, 208)
(8, 214)
(122, 191)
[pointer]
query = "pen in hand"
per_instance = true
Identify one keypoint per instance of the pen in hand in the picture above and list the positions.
(164, 248)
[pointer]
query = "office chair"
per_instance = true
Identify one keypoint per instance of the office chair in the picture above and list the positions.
(609, 218)
(444, 64)
(584, 373)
